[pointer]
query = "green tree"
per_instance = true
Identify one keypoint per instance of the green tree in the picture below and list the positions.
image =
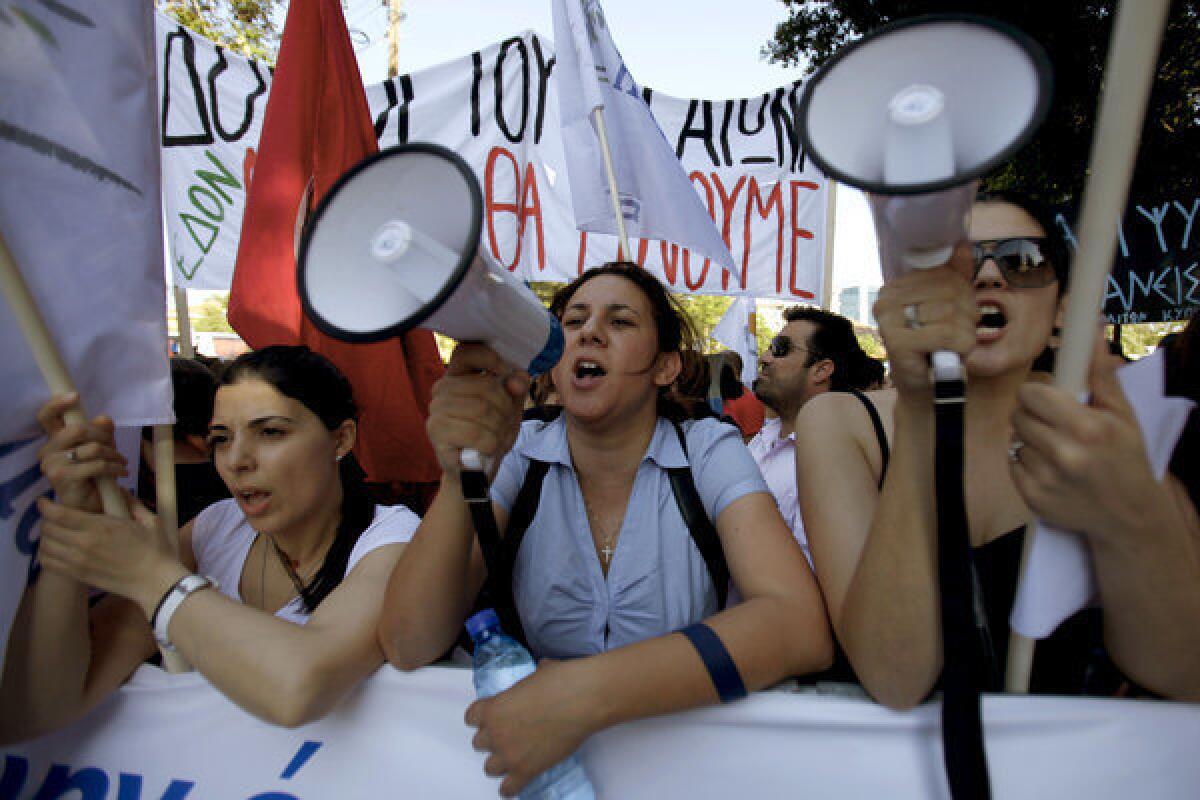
(1075, 34)
(211, 316)
(249, 27)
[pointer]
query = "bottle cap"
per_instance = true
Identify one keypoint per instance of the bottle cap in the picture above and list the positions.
(481, 622)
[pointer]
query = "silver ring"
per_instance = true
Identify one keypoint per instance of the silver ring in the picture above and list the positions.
(912, 317)
(72, 456)
(1014, 451)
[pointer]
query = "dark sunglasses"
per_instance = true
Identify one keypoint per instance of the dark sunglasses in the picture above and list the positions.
(781, 346)
(1020, 260)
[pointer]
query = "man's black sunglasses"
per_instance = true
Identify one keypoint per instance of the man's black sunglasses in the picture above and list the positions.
(781, 346)
(1020, 260)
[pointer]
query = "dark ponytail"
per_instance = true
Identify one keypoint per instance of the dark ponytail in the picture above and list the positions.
(358, 510)
(313, 380)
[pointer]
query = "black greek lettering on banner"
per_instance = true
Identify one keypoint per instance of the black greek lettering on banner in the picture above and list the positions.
(248, 116)
(204, 136)
(498, 81)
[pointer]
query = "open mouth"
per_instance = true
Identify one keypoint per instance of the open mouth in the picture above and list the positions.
(585, 369)
(253, 501)
(992, 319)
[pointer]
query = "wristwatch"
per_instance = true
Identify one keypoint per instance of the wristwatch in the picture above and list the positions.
(160, 620)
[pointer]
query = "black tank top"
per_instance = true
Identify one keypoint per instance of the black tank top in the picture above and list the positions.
(1071, 661)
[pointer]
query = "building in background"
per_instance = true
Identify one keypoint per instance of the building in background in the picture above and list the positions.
(858, 303)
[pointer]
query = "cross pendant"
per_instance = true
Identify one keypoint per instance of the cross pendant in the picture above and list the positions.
(607, 552)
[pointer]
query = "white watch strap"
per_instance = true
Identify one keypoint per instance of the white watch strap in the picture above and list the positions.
(174, 598)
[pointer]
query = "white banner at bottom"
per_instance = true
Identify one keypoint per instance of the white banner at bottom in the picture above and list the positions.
(174, 737)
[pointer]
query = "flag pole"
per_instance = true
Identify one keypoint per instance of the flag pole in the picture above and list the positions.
(830, 227)
(1129, 75)
(50, 363)
(610, 173)
(183, 319)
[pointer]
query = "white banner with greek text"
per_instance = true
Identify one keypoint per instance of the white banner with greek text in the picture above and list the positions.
(498, 109)
(402, 735)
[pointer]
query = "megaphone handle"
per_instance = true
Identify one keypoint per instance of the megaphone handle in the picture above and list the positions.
(946, 366)
(475, 461)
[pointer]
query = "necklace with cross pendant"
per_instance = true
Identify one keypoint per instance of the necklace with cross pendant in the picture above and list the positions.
(606, 538)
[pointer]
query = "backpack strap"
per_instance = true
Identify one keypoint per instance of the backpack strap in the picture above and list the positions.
(704, 533)
(498, 591)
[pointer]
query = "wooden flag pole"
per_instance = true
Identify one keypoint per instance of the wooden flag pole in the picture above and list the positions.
(49, 361)
(610, 173)
(183, 320)
(1133, 53)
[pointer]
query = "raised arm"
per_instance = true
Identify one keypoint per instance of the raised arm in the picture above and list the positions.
(779, 630)
(875, 550)
(1084, 468)
(476, 404)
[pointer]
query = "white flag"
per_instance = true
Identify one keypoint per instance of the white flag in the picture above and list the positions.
(657, 199)
(1059, 579)
(80, 211)
(733, 331)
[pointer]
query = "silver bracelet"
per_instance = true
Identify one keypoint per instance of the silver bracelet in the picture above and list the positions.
(160, 620)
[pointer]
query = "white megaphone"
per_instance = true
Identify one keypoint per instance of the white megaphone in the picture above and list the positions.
(914, 114)
(395, 244)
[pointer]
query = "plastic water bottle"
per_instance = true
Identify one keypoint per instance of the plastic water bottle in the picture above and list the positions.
(500, 661)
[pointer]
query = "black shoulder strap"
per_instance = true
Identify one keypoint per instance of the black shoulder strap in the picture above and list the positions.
(704, 534)
(879, 434)
(500, 585)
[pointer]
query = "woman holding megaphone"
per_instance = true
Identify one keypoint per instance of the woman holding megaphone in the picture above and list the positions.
(865, 470)
(608, 569)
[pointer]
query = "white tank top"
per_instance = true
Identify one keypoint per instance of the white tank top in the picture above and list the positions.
(221, 540)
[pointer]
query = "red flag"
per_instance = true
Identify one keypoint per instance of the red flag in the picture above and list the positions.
(316, 126)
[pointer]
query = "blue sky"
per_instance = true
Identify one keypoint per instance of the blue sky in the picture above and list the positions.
(687, 48)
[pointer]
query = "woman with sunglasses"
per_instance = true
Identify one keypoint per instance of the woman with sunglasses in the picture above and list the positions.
(607, 576)
(865, 470)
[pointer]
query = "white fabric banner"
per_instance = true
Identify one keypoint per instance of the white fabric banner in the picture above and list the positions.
(1059, 579)
(657, 201)
(498, 109)
(402, 735)
(79, 209)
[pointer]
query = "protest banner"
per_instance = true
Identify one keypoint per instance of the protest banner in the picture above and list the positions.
(498, 109)
(79, 163)
(402, 734)
(1156, 267)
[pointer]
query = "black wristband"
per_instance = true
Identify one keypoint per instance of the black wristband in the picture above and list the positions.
(721, 669)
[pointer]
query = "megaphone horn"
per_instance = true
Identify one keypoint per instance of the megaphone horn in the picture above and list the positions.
(395, 244)
(914, 114)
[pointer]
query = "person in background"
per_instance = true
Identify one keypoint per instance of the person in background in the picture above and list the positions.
(815, 352)
(607, 578)
(739, 404)
(197, 484)
(1084, 468)
(274, 594)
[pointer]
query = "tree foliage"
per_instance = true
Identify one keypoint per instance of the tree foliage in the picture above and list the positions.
(249, 27)
(212, 315)
(1075, 34)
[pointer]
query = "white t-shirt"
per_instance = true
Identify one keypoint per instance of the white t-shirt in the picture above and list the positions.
(221, 540)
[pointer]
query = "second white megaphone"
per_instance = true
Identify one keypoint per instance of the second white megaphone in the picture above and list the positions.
(914, 114)
(395, 244)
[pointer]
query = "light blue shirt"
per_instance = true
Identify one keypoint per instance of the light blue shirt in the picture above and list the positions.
(657, 582)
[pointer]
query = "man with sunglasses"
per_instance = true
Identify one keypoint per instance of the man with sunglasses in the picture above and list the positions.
(815, 352)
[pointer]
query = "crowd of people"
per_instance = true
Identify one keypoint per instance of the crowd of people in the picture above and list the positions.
(648, 537)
